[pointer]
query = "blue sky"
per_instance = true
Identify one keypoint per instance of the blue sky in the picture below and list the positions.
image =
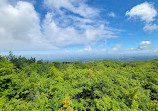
(80, 26)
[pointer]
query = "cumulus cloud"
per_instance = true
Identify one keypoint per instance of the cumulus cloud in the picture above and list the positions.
(146, 12)
(19, 26)
(145, 45)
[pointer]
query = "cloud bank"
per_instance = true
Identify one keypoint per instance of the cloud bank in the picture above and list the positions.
(22, 29)
(67, 23)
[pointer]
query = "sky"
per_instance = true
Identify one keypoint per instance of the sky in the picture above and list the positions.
(79, 26)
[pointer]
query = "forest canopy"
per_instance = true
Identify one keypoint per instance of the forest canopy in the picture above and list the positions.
(27, 84)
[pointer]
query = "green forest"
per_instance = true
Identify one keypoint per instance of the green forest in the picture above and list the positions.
(31, 85)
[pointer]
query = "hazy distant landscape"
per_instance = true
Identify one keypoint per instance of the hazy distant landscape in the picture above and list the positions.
(53, 57)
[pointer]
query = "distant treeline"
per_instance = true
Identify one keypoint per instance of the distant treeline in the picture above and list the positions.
(30, 85)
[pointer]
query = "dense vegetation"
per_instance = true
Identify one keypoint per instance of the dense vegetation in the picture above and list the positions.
(27, 84)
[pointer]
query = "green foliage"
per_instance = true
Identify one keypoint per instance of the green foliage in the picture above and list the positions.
(27, 85)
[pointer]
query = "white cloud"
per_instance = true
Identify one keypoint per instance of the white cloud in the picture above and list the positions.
(145, 48)
(131, 49)
(68, 30)
(19, 26)
(145, 11)
(87, 49)
(117, 47)
(72, 5)
(59, 36)
(112, 14)
(150, 27)
(69, 35)
(145, 45)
